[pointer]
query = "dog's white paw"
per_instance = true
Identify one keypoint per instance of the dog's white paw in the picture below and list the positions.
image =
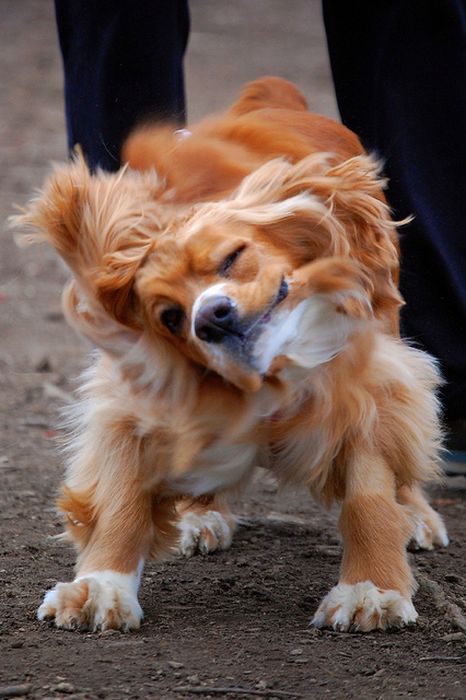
(205, 532)
(362, 607)
(430, 532)
(100, 601)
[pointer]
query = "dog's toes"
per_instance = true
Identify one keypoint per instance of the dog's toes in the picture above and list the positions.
(64, 604)
(205, 532)
(362, 607)
(92, 603)
(429, 533)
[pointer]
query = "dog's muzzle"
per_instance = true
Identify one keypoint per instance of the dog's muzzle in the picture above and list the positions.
(218, 319)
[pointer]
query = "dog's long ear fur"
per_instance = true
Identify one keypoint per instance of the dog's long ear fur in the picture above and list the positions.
(318, 208)
(103, 226)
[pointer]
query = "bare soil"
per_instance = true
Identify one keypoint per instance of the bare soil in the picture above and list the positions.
(234, 619)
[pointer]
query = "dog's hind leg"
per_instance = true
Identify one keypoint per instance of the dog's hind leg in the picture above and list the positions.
(206, 524)
(430, 529)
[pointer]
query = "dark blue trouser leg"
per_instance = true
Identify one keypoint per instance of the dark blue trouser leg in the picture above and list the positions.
(123, 64)
(399, 68)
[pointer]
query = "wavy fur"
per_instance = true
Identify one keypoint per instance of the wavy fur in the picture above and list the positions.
(319, 387)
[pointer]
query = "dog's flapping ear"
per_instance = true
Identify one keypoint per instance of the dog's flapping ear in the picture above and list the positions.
(103, 226)
(320, 208)
(347, 283)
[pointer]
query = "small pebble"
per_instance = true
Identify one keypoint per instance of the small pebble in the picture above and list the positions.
(175, 664)
(242, 561)
(296, 652)
(64, 687)
(454, 637)
(194, 680)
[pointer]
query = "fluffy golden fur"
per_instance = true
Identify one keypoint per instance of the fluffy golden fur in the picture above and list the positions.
(239, 280)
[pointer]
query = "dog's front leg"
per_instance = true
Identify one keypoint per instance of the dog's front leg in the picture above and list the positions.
(375, 586)
(115, 524)
(104, 593)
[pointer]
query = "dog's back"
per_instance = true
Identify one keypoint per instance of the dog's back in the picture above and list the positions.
(208, 160)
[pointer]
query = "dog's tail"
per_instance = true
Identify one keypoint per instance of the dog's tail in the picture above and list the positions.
(269, 92)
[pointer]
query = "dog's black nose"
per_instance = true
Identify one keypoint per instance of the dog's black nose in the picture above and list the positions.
(216, 319)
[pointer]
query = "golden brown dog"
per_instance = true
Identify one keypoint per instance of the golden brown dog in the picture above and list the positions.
(240, 283)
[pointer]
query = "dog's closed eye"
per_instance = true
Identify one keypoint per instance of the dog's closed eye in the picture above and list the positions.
(230, 260)
(173, 319)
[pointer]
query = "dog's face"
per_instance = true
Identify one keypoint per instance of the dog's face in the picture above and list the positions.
(279, 273)
(211, 289)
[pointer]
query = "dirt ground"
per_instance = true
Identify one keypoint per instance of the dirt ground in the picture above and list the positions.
(236, 619)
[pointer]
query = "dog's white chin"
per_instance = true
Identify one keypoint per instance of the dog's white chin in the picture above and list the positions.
(309, 335)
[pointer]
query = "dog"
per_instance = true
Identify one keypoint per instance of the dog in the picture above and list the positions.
(239, 280)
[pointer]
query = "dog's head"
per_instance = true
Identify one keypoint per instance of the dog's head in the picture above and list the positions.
(278, 274)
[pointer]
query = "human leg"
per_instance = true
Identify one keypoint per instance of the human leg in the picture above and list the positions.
(399, 72)
(123, 64)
